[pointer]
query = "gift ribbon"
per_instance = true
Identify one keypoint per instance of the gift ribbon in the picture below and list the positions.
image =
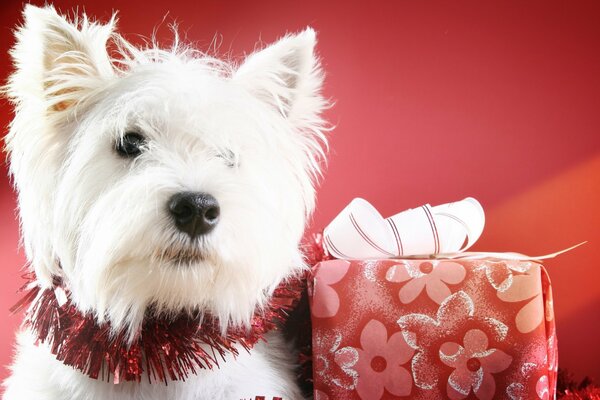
(444, 231)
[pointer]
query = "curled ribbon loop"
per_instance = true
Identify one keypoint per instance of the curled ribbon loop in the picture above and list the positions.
(360, 232)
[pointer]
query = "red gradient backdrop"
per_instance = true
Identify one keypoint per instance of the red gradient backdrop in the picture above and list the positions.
(435, 101)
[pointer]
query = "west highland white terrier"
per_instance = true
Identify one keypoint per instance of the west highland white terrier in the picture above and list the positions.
(159, 182)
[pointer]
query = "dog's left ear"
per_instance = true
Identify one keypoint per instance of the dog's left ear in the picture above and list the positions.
(57, 61)
(287, 75)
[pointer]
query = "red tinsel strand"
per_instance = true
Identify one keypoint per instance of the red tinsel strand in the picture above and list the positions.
(172, 349)
(583, 394)
(32, 292)
(313, 249)
(570, 389)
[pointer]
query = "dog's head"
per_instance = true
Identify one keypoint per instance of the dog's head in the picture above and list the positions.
(162, 178)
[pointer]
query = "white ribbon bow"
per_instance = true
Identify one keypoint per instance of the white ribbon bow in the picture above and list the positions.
(360, 231)
(445, 231)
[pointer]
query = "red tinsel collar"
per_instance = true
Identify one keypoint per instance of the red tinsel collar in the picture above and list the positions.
(165, 349)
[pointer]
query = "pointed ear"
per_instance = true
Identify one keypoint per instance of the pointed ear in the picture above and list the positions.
(287, 75)
(57, 61)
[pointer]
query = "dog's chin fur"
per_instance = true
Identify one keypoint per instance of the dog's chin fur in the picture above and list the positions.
(249, 135)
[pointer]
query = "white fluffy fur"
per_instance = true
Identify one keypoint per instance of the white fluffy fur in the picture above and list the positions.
(105, 218)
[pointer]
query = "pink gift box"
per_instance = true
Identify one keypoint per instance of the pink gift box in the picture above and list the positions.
(432, 329)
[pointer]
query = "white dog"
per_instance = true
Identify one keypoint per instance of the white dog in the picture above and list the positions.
(162, 179)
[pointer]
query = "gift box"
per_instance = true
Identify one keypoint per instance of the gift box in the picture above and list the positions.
(432, 329)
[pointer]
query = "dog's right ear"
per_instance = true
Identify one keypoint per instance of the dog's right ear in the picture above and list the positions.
(57, 61)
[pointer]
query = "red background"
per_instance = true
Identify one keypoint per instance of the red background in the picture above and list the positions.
(435, 101)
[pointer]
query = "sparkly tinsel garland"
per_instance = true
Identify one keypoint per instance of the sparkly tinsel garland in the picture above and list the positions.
(165, 349)
(570, 389)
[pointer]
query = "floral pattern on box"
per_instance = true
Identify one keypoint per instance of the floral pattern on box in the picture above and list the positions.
(432, 329)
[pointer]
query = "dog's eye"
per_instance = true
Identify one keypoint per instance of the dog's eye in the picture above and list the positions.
(130, 145)
(228, 157)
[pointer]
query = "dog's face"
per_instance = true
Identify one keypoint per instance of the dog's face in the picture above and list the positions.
(162, 177)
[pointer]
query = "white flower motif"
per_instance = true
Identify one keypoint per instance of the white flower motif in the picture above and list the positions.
(433, 276)
(517, 281)
(473, 366)
(379, 362)
(426, 335)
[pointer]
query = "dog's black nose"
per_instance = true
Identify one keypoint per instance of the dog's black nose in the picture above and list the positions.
(194, 213)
